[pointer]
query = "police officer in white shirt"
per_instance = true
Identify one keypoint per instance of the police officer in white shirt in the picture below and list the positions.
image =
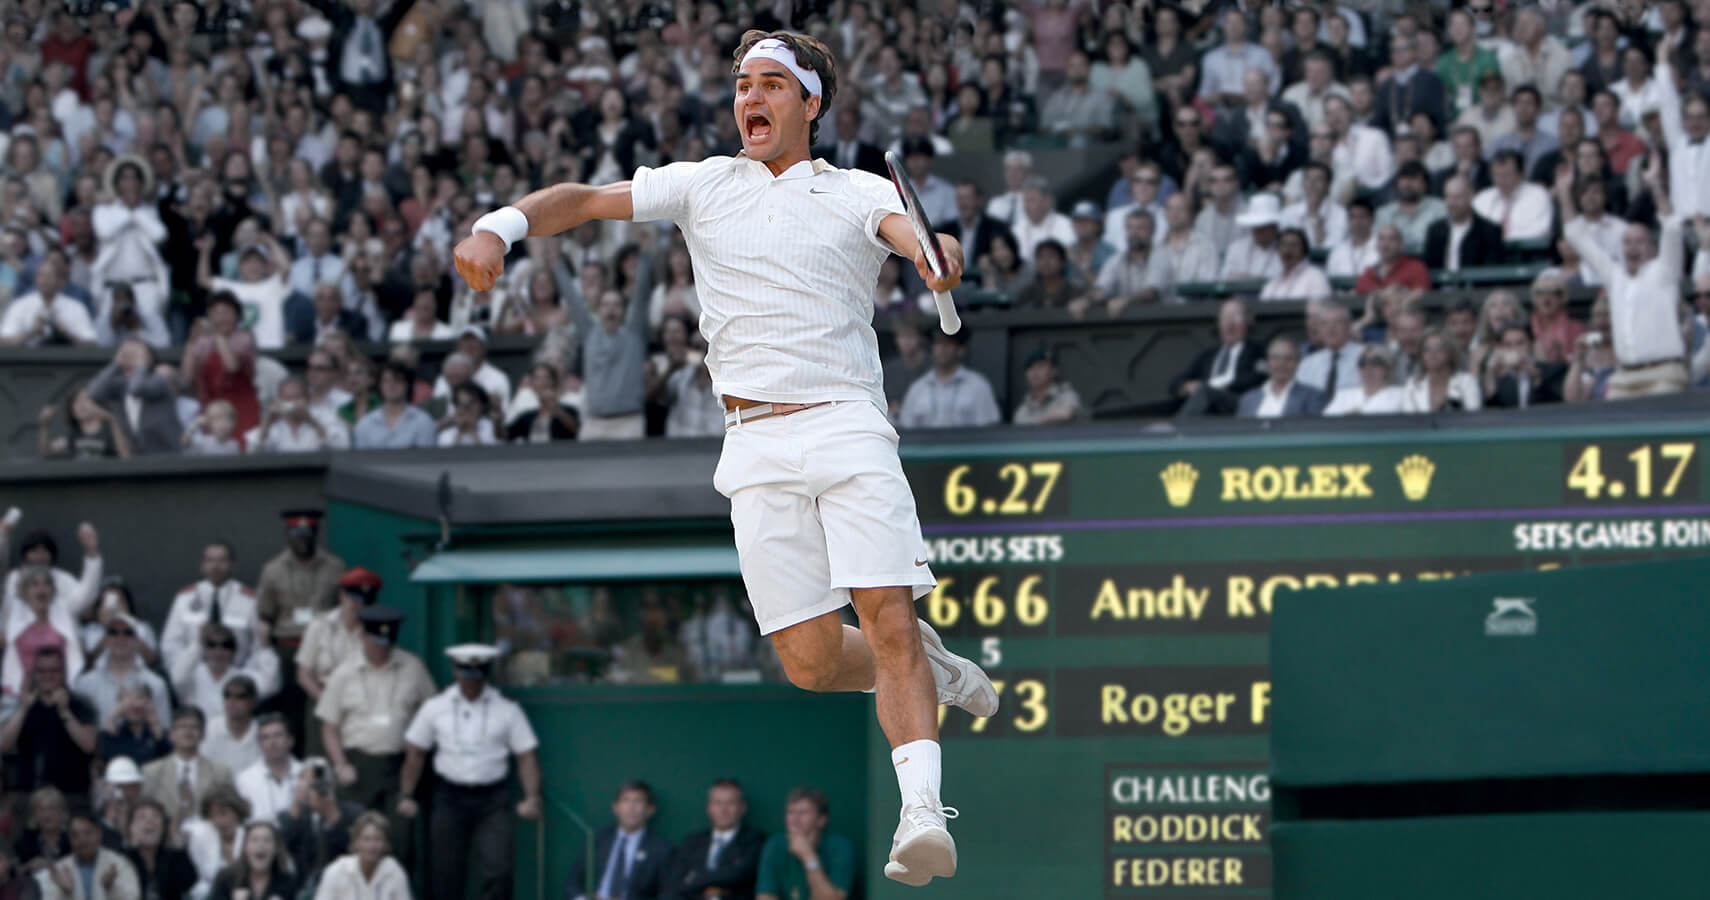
(786, 250)
(267, 785)
(475, 731)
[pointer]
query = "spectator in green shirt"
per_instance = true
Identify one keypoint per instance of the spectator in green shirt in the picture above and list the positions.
(1464, 65)
(805, 862)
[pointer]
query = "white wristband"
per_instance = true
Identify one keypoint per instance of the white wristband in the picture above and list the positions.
(509, 224)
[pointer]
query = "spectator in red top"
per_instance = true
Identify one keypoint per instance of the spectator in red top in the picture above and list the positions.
(68, 44)
(221, 361)
(1619, 144)
(1392, 266)
(1554, 332)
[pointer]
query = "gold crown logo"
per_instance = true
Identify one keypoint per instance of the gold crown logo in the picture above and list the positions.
(1415, 472)
(1179, 478)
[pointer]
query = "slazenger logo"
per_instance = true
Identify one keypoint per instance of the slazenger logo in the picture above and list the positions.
(1511, 617)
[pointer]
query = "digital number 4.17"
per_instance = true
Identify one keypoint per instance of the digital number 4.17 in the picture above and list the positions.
(1588, 478)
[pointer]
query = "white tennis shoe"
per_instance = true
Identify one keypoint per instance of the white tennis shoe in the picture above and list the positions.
(959, 681)
(922, 848)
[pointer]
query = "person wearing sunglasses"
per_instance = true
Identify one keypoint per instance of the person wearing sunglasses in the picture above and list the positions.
(1374, 395)
(233, 736)
(200, 677)
(119, 666)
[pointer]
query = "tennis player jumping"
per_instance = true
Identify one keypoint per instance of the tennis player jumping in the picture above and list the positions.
(786, 252)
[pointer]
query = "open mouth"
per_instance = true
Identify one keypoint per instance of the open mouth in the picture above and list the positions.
(759, 127)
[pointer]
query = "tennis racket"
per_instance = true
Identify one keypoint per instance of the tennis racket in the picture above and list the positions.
(947, 318)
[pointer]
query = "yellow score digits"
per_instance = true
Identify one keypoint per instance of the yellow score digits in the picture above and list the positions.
(1037, 479)
(1587, 476)
(988, 606)
(1029, 696)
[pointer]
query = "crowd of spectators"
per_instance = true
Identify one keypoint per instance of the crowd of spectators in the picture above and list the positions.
(273, 739)
(161, 759)
(214, 182)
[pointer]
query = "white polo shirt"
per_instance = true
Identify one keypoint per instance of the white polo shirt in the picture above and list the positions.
(785, 269)
(475, 740)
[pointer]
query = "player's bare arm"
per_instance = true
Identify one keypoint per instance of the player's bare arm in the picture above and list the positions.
(480, 257)
(897, 232)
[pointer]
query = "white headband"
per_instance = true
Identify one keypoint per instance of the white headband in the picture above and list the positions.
(772, 48)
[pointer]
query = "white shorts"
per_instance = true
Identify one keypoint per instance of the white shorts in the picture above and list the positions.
(820, 506)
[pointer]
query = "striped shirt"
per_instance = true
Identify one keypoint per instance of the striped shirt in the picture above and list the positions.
(785, 268)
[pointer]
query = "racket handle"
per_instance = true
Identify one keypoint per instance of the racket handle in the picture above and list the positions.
(947, 318)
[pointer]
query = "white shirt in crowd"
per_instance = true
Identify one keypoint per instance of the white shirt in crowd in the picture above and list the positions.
(268, 796)
(1304, 282)
(1606, 231)
(475, 740)
(263, 305)
(787, 320)
(1273, 400)
(1364, 152)
(1354, 401)
(1348, 259)
(449, 436)
(192, 607)
(1463, 393)
(403, 331)
(235, 753)
(1029, 234)
(284, 437)
(1524, 216)
(343, 881)
(1245, 259)
(1643, 328)
(66, 317)
(496, 383)
(1334, 222)
(196, 683)
(1688, 161)
(72, 594)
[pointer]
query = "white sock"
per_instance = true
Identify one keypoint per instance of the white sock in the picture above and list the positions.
(919, 768)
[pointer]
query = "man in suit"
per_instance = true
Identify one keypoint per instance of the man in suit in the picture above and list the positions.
(1214, 382)
(850, 152)
(1464, 238)
(141, 398)
(310, 321)
(357, 59)
(629, 862)
(180, 781)
(1409, 89)
(1281, 397)
(720, 861)
(972, 227)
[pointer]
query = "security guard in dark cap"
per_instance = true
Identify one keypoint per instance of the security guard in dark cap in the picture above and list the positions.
(474, 731)
(368, 702)
(294, 586)
(336, 635)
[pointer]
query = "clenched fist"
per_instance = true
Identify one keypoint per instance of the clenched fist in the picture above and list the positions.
(480, 259)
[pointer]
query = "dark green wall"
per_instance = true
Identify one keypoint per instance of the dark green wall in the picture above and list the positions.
(679, 739)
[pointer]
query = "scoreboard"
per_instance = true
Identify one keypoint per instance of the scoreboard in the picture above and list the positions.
(1119, 592)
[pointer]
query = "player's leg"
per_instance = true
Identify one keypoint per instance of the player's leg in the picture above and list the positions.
(874, 544)
(823, 654)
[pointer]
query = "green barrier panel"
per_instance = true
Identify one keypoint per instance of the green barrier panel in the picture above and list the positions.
(1597, 856)
(1593, 671)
